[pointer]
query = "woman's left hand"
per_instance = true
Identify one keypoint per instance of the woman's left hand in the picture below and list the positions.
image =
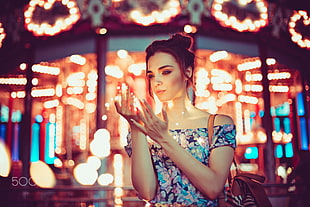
(153, 126)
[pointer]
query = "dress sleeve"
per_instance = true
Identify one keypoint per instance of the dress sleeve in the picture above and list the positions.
(224, 135)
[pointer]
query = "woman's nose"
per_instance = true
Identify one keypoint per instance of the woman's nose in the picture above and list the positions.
(158, 79)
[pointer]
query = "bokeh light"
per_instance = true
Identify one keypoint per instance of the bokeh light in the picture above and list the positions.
(94, 161)
(5, 161)
(105, 179)
(85, 174)
(100, 145)
(42, 175)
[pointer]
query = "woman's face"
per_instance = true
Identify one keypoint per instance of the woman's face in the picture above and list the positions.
(165, 77)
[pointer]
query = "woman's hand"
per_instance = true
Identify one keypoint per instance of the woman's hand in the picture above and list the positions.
(153, 126)
(125, 104)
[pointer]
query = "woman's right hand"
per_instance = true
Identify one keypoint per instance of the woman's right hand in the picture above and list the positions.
(125, 104)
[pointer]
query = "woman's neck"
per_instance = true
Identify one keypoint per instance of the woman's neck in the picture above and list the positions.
(179, 108)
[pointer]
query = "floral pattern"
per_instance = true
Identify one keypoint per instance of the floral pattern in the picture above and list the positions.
(174, 186)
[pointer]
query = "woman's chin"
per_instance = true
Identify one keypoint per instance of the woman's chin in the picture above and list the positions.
(163, 99)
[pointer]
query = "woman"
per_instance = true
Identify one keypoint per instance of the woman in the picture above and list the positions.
(177, 166)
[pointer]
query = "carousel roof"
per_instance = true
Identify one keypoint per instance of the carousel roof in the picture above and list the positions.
(20, 40)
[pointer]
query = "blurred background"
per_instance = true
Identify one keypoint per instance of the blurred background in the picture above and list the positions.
(62, 62)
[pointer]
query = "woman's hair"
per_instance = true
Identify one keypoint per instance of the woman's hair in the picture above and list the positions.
(178, 45)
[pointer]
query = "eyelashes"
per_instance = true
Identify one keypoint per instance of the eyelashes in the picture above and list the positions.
(165, 72)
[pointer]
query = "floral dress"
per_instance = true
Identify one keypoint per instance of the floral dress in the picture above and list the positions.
(173, 186)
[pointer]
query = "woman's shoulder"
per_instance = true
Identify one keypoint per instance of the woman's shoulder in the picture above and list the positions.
(220, 119)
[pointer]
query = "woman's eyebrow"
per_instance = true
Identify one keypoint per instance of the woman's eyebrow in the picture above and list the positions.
(164, 66)
(160, 68)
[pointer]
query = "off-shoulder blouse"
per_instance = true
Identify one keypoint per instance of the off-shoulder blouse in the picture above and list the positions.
(173, 186)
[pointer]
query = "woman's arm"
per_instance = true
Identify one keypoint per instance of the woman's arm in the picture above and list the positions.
(142, 171)
(210, 179)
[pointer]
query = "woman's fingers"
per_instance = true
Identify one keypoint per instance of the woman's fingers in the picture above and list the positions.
(132, 103)
(149, 108)
(117, 105)
(141, 116)
(124, 103)
(128, 98)
(123, 97)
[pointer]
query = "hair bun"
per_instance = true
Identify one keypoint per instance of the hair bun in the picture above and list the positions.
(180, 40)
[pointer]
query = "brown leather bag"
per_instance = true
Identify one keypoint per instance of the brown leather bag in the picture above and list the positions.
(244, 189)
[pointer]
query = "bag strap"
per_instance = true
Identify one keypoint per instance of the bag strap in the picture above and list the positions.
(210, 127)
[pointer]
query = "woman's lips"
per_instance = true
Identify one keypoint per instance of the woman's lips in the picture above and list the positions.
(159, 92)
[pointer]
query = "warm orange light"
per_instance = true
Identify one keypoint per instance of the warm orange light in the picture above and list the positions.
(78, 59)
(118, 179)
(74, 102)
(43, 92)
(51, 104)
(279, 89)
(249, 64)
(247, 24)
(218, 55)
(140, 15)
(45, 69)
(83, 134)
(61, 24)
(137, 69)
(190, 29)
(2, 34)
(13, 81)
(296, 37)
(114, 71)
(59, 129)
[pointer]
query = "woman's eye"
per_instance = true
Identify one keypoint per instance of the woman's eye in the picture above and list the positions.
(150, 76)
(166, 72)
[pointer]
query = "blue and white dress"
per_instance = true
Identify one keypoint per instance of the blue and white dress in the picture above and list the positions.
(173, 186)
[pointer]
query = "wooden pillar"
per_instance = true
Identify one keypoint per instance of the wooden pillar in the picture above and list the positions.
(9, 129)
(101, 50)
(294, 130)
(269, 159)
(25, 131)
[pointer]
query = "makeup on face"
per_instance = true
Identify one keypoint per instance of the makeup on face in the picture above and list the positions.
(165, 76)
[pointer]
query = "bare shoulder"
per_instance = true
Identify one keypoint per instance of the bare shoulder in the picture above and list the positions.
(222, 119)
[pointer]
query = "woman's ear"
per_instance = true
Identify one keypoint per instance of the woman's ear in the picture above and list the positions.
(189, 72)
